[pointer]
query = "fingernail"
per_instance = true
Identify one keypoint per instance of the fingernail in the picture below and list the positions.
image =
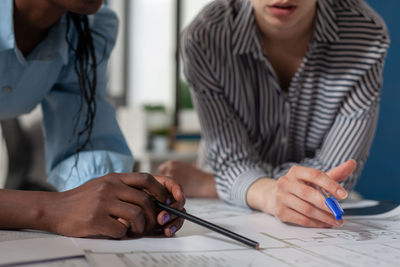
(172, 229)
(165, 218)
(342, 193)
(168, 201)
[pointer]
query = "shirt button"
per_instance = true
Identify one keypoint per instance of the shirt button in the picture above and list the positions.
(283, 140)
(287, 105)
(6, 89)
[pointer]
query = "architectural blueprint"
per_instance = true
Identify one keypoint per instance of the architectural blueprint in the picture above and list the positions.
(362, 241)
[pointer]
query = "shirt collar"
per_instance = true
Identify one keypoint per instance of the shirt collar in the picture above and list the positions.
(326, 28)
(53, 44)
(245, 32)
(246, 39)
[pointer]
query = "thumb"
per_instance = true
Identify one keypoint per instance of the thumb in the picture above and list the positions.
(342, 171)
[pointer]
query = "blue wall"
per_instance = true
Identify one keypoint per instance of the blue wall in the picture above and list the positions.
(381, 175)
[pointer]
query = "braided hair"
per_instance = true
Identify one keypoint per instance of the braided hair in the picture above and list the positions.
(86, 69)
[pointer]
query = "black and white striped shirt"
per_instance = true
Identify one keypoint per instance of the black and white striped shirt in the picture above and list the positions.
(252, 127)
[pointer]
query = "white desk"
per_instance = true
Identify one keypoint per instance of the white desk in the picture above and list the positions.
(360, 242)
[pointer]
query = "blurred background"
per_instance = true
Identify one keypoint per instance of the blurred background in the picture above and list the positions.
(153, 105)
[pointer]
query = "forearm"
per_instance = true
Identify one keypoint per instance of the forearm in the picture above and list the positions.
(25, 209)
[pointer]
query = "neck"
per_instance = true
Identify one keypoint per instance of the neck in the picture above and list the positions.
(299, 33)
(39, 14)
(32, 19)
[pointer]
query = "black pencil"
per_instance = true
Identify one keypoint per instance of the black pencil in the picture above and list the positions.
(209, 225)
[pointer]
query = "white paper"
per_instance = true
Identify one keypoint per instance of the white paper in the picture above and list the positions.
(37, 249)
(362, 241)
(213, 209)
(12, 235)
(162, 244)
(178, 259)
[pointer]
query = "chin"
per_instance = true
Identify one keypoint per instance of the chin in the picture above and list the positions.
(88, 7)
(282, 24)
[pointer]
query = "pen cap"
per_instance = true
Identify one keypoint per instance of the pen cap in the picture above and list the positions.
(335, 208)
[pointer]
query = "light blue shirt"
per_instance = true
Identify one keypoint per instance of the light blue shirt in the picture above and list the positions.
(47, 77)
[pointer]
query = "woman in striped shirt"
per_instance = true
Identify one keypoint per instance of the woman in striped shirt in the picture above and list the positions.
(287, 92)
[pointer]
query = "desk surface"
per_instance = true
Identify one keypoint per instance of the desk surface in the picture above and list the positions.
(370, 240)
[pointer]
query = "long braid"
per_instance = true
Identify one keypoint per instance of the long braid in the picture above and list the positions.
(85, 65)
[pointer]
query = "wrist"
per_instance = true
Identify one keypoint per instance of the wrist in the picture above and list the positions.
(42, 215)
(260, 195)
(25, 209)
(209, 187)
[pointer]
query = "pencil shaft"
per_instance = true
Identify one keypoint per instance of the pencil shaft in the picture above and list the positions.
(209, 225)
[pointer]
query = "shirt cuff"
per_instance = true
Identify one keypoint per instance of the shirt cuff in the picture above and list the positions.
(73, 171)
(242, 185)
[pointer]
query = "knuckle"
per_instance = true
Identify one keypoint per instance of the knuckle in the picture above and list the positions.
(146, 178)
(138, 226)
(110, 177)
(307, 209)
(304, 192)
(315, 173)
(146, 200)
(104, 186)
(295, 169)
(137, 213)
(282, 182)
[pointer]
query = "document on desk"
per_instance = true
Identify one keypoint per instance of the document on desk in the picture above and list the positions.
(362, 241)
(37, 250)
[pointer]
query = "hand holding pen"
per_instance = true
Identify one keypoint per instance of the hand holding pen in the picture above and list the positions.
(298, 197)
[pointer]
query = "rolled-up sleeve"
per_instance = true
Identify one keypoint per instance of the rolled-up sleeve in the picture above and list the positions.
(107, 151)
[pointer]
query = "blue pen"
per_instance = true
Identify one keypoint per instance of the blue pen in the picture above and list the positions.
(332, 204)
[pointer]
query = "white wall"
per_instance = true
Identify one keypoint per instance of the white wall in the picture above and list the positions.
(116, 71)
(151, 28)
(191, 8)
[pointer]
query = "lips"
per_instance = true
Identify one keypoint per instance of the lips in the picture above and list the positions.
(282, 9)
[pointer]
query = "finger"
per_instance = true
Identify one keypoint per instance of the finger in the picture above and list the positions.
(305, 192)
(310, 210)
(163, 217)
(342, 171)
(172, 187)
(291, 216)
(124, 222)
(147, 182)
(173, 226)
(132, 214)
(319, 178)
(112, 228)
(142, 199)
